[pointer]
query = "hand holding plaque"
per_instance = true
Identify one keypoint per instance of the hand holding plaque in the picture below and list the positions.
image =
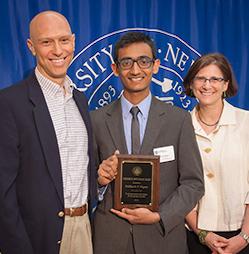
(137, 182)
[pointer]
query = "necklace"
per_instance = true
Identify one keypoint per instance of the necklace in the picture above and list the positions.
(207, 124)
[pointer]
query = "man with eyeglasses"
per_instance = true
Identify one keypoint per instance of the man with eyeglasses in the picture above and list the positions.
(163, 130)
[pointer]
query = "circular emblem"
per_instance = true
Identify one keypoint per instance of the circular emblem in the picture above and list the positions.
(137, 171)
(91, 70)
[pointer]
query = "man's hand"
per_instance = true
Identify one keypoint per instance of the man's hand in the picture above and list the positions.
(108, 169)
(138, 215)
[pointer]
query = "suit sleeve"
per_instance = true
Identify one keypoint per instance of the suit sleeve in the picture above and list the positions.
(191, 183)
(13, 236)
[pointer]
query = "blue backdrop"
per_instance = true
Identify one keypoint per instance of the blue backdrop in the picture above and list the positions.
(182, 29)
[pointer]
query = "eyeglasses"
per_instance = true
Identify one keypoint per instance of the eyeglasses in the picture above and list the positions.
(144, 62)
(213, 80)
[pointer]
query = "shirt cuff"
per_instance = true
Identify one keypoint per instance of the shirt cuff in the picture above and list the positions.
(101, 192)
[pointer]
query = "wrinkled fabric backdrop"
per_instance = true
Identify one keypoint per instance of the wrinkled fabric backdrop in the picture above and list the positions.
(182, 29)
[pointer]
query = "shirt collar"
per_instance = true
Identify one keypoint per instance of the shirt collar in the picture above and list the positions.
(228, 116)
(51, 88)
(144, 106)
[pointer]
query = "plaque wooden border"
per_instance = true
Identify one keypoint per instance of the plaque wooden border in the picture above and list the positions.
(154, 160)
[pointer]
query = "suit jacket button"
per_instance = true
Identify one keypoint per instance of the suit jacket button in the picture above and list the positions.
(59, 242)
(61, 214)
(208, 150)
(210, 175)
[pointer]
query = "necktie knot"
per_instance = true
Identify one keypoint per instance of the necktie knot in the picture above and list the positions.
(134, 111)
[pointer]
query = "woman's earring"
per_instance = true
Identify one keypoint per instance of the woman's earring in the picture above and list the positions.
(191, 93)
(224, 95)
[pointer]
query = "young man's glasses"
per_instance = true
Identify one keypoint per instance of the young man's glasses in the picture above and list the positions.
(144, 62)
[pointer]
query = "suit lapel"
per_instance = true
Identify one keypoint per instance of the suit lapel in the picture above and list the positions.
(46, 135)
(114, 122)
(153, 127)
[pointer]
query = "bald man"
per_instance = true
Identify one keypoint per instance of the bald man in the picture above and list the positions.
(47, 183)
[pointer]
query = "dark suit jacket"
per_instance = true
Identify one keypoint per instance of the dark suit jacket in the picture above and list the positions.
(181, 180)
(31, 190)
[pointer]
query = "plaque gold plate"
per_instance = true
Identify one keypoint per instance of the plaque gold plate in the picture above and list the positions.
(137, 182)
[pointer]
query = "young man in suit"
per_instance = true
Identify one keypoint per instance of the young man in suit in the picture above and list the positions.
(47, 181)
(164, 130)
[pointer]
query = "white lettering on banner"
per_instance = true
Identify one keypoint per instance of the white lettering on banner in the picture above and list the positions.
(88, 78)
(97, 61)
(83, 77)
(108, 53)
(178, 56)
(107, 96)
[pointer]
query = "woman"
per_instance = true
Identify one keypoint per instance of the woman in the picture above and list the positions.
(220, 222)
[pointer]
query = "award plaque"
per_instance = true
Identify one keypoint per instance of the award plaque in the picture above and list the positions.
(137, 182)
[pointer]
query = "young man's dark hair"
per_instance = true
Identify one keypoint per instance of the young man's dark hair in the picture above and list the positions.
(133, 37)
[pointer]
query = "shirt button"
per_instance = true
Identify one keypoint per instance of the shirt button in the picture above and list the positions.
(61, 214)
(207, 150)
